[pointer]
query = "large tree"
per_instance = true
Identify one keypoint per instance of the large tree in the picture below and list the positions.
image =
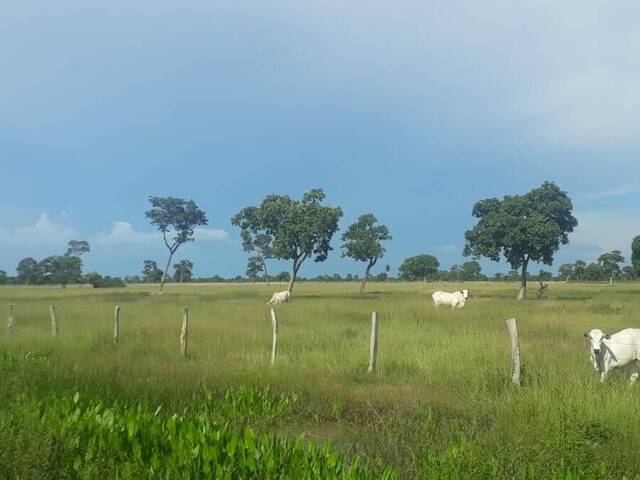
(362, 243)
(77, 248)
(151, 273)
(183, 271)
(61, 269)
(610, 264)
(176, 219)
(420, 267)
(523, 228)
(299, 229)
(635, 254)
(29, 271)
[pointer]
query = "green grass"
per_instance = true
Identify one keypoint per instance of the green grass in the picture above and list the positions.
(440, 405)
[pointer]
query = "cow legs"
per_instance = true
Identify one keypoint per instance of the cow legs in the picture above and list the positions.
(603, 375)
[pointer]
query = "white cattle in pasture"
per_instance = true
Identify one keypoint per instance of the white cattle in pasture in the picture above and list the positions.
(279, 297)
(455, 299)
(618, 350)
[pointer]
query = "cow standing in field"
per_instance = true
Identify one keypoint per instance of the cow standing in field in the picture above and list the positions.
(279, 297)
(455, 299)
(619, 350)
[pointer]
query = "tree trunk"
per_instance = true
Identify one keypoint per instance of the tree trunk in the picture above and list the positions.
(166, 269)
(266, 275)
(366, 277)
(297, 263)
(523, 284)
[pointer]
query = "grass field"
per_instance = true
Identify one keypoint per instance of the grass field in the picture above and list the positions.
(440, 406)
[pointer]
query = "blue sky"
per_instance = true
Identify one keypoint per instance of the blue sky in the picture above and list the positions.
(410, 110)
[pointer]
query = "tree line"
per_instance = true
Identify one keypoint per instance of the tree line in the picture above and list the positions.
(517, 228)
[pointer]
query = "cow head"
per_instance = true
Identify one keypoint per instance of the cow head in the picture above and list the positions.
(465, 293)
(596, 336)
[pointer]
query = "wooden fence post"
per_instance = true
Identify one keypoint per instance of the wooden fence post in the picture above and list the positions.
(116, 325)
(373, 346)
(184, 334)
(274, 342)
(10, 319)
(515, 351)
(54, 320)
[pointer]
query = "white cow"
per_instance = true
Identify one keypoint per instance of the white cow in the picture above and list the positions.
(455, 299)
(279, 297)
(619, 350)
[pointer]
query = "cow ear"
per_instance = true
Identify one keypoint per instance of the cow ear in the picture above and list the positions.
(586, 334)
(607, 336)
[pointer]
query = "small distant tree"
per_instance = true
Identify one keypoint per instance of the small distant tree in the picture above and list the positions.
(298, 229)
(175, 218)
(420, 267)
(522, 228)
(382, 277)
(543, 275)
(283, 277)
(610, 264)
(259, 244)
(565, 271)
(362, 243)
(629, 273)
(4, 279)
(151, 273)
(578, 269)
(635, 254)
(183, 271)
(471, 271)
(77, 248)
(29, 272)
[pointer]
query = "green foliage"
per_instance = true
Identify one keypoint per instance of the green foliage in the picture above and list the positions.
(609, 263)
(61, 270)
(142, 443)
(420, 267)
(151, 273)
(29, 272)
(98, 281)
(183, 271)
(293, 230)
(362, 243)
(635, 254)
(522, 228)
(177, 218)
(77, 248)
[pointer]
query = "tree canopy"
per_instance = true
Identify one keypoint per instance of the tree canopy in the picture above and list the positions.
(298, 229)
(362, 243)
(77, 248)
(183, 271)
(635, 254)
(176, 219)
(522, 228)
(420, 267)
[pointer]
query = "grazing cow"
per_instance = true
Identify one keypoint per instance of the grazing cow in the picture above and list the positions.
(619, 350)
(455, 299)
(279, 297)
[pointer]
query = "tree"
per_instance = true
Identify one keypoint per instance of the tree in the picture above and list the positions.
(523, 228)
(177, 217)
(4, 279)
(566, 271)
(578, 269)
(29, 272)
(151, 273)
(592, 272)
(77, 248)
(183, 271)
(609, 263)
(471, 271)
(543, 275)
(298, 229)
(420, 267)
(363, 243)
(61, 270)
(635, 254)
(259, 244)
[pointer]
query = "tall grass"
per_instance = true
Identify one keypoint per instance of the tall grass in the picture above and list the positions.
(440, 406)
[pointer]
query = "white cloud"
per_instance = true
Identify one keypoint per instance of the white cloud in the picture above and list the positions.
(210, 234)
(619, 191)
(43, 233)
(124, 233)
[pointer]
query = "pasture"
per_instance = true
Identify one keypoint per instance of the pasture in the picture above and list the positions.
(439, 406)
